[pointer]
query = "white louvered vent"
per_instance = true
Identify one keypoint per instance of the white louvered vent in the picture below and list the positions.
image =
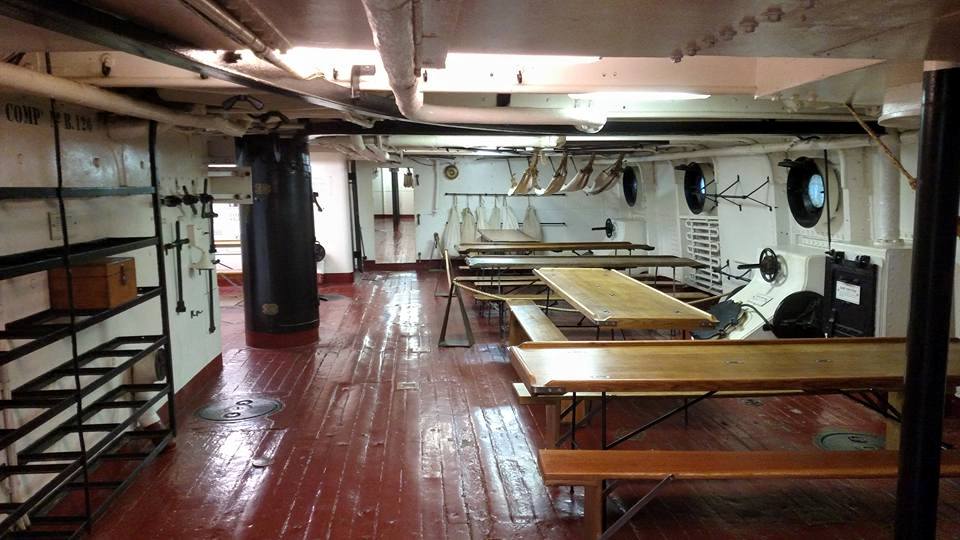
(701, 241)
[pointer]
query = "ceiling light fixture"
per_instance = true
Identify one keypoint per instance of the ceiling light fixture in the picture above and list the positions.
(637, 97)
(312, 59)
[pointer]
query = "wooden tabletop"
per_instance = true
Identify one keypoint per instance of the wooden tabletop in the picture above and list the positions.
(613, 299)
(529, 262)
(703, 366)
(505, 235)
(497, 247)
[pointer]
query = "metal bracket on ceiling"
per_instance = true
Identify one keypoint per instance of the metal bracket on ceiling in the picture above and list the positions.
(355, 73)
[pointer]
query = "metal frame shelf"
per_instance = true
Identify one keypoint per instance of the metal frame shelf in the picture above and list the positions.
(31, 192)
(34, 453)
(41, 332)
(27, 396)
(95, 374)
(29, 262)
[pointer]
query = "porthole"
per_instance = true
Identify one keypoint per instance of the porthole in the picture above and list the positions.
(697, 184)
(631, 185)
(806, 191)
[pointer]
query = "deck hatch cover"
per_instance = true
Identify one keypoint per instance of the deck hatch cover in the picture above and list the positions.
(237, 409)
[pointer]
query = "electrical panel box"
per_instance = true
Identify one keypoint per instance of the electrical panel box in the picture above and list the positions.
(849, 296)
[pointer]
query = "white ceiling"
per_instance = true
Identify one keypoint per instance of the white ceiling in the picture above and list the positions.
(888, 29)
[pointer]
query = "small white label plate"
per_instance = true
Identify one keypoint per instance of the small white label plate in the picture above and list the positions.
(848, 293)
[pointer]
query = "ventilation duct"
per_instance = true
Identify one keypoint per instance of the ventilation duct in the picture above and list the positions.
(31, 82)
(394, 34)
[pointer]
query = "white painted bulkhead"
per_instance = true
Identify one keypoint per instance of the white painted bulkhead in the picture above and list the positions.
(95, 156)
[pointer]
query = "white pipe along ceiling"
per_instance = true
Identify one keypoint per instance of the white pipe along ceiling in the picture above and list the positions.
(393, 28)
(754, 149)
(31, 82)
(238, 32)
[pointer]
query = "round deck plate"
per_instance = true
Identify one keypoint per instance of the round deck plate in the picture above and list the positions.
(235, 410)
(845, 440)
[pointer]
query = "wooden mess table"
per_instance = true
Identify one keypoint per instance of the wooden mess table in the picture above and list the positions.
(857, 367)
(612, 299)
(526, 262)
(502, 247)
(505, 235)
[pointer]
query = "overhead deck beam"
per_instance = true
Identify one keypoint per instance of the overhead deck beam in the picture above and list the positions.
(613, 127)
(99, 28)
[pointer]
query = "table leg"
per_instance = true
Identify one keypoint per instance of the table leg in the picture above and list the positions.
(603, 420)
(603, 446)
(895, 399)
(573, 423)
(501, 305)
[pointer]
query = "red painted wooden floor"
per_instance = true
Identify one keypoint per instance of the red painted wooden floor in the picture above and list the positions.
(357, 454)
(395, 244)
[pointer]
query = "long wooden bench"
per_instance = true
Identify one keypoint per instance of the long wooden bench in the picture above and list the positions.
(554, 404)
(513, 296)
(510, 278)
(524, 397)
(590, 468)
(529, 323)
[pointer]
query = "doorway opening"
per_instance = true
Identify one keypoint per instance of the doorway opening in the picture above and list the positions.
(394, 216)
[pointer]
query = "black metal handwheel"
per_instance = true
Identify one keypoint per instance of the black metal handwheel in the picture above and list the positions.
(769, 265)
(608, 227)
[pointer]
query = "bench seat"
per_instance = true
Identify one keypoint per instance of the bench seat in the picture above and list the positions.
(524, 397)
(528, 277)
(514, 296)
(529, 323)
(589, 468)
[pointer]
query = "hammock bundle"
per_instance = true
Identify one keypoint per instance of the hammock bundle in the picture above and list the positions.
(468, 226)
(606, 179)
(531, 224)
(558, 180)
(494, 217)
(451, 231)
(528, 181)
(483, 217)
(579, 180)
(510, 221)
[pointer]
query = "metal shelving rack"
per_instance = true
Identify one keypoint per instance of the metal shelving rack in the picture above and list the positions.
(51, 513)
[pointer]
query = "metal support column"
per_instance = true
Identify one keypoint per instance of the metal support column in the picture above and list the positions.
(276, 233)
(358, 255)
(395, 192)
(928, 332)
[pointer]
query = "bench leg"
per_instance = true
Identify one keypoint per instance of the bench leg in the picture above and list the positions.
(552, 425)
(515, 333)
(895, 399)
(632, 511)
(593, 507)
